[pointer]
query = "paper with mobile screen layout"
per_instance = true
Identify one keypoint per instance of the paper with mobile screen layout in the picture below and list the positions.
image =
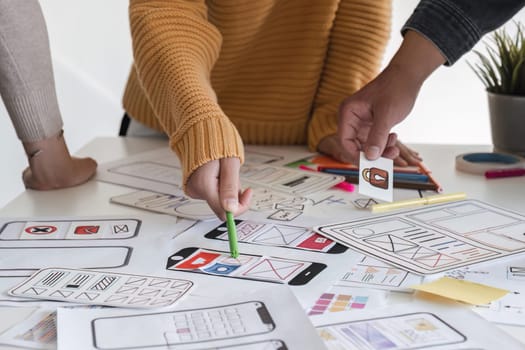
(267, 318)
(171, 204)
(127, 244)
(289, 236)
(266, 204)
(413, 325)
(269, 253)
(245, 266)
(508, 274)
(376, 178)
(160, 171)
(29, 244)
(435, 239)
(373, 273)
(102, 288)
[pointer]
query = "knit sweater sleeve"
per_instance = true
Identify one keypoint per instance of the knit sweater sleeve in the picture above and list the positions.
(175, 48)
(27, 85)
(359, 36)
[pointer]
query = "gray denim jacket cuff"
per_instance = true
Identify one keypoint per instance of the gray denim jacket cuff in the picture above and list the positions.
(445, 24)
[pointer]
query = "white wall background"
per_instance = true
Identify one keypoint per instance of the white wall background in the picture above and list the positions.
(91, 52)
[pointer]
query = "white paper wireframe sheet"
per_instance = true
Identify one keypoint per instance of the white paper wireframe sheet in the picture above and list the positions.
(159, 171)
(172, 204)
(287, 180)
(102, 288)
(415, 325)
(508, 274)
(283, 235)
(29, 244)
(436, 238)
(261, 319)
(373, 273)
(208, 263)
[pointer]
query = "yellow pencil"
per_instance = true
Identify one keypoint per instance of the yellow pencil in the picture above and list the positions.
(435, 199)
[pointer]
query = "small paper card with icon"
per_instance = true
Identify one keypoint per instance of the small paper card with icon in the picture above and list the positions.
(376, 178)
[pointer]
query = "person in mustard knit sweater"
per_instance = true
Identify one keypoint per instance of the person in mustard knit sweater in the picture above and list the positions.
(212, 75)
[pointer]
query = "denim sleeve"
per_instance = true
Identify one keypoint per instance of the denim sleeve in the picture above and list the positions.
(455, 26)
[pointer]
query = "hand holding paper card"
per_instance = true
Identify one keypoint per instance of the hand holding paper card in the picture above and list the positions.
(376, 178)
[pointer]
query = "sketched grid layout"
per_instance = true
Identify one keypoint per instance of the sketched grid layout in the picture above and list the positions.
(436, 239)
(101, 288)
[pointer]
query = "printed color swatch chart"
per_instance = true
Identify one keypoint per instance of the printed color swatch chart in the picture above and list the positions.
(331, 302)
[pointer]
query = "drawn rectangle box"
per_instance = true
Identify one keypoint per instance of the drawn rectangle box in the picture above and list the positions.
(23, 261)
(11, 230)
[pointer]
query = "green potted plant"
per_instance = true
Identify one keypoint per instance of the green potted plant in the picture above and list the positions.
(502, 71)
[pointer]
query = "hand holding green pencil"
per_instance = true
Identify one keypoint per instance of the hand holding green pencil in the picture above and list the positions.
(232, 235)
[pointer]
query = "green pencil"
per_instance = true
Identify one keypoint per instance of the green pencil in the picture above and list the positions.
(232, 235)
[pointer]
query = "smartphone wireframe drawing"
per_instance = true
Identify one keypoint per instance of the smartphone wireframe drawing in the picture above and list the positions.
(182, 327)
(409, 331)
(246, 266)
(294, 237)
(75, 229)
(273, 344)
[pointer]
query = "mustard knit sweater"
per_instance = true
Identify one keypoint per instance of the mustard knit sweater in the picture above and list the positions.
(209, 73)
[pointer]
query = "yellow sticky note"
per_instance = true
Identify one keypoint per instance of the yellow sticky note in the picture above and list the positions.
(465, 291)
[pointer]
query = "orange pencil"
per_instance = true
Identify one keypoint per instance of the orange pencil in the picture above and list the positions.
(428, 173)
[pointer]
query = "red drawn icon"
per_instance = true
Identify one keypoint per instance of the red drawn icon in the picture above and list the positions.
(40, 230)
(86, 230)
(316, 242)
(198, 260)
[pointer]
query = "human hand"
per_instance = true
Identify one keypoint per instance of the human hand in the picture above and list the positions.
(51, 166)
(366, 118)
(217, 182)
(403, 155)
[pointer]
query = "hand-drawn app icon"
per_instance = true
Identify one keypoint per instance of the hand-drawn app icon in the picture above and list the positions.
(376, 177)
(198, 260)
(120, 229)
(40, 230)
(315, 242)
(86, 230)
(221, 269)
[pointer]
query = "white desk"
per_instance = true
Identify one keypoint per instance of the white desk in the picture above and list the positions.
(92, 197)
